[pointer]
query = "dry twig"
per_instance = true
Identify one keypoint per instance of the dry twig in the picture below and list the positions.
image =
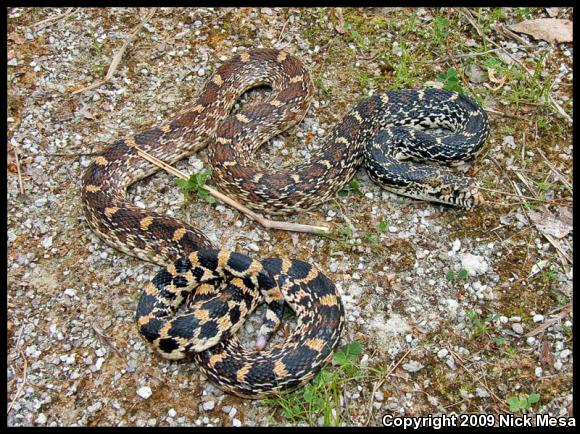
(107, 340)
(479, 380)
(270, 224)
(51, 20)
(380, 383)
(117, 58)
(565, 311)
(24, 372)
(20, 183)
(561, 177)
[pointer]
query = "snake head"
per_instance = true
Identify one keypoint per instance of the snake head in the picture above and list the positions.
(454, 190)
(465, 194)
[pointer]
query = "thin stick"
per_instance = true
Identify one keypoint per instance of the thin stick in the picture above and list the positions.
(282, 31)
(270, 224)
(515, 195)
(106, 339)
(560, 109)
(481, 53)
(479, 380)
(564, 258)
(380, 383)
(22, 384)
(20, 183)
(25, 370)
(117, 58)
(51, 20)
(555, 171)
(502, 113)
(565, 311)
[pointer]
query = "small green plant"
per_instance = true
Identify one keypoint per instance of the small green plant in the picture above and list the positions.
(194, 185)
(523, 13)
(481, 326)
(321, 397)
(530, 205)
(544, 186)
(522, 402)
(353, 187)
(549, 275)
(478, 327)
(404, 67)
(356, 36)
(440, 29)
(364, 79)
(409, 25)
(373, 238)
(451, 81)
(500, 341)
(96, 66)
(452, 276)
(345, 231)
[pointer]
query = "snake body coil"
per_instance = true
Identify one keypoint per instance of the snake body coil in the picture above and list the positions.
(220, 287)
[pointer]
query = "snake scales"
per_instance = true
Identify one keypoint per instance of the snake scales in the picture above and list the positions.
(221, 288)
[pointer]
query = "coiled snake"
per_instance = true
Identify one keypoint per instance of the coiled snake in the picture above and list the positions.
(221, 288)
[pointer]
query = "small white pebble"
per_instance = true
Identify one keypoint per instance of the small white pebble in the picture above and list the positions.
(208, 405)
(442, 353)
(481, 392)
(456, 245)
(412, 366)
(201, 72)
(41, 419)
(46, 242)
(517, 327)
(99, 363)
(236, 422)
(70, 292)
(558, 365)
(40, 202)
(144, 392)
(565, 353)
(538, 318)
(171, 412)
(379, 396)
(538, 371)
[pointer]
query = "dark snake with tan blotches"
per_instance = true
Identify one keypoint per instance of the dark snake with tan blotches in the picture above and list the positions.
(220, 288)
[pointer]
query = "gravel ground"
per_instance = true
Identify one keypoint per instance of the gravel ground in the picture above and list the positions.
(451, 299)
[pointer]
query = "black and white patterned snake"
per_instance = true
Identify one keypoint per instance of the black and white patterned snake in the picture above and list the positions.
(220, 288)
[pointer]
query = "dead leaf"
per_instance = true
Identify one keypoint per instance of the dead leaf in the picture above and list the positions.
(493, 79)
(565, 215)
(549, 224)
(340, 28)
(547, 29)
(12, 168)
(546, 357)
